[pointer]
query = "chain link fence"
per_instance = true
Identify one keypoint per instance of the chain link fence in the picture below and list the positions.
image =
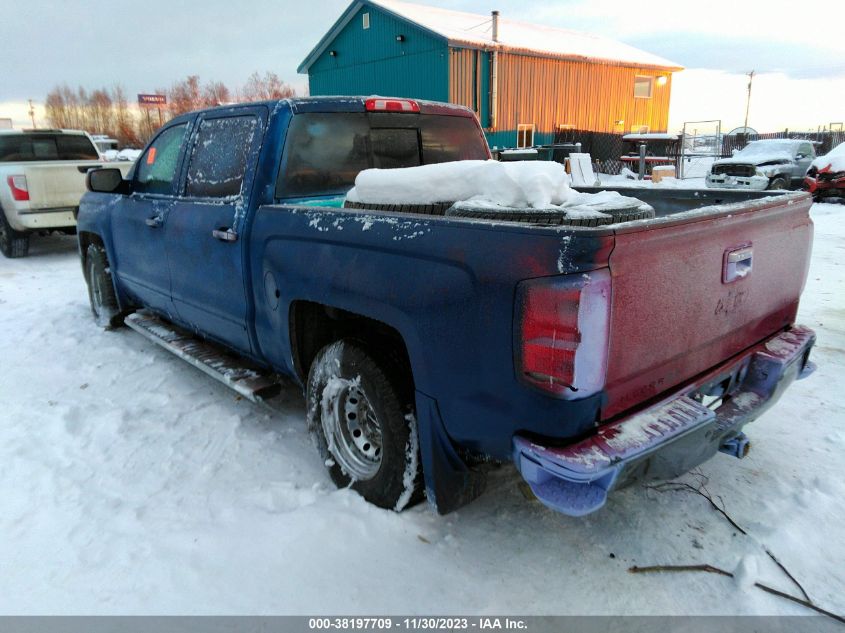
(607, 149)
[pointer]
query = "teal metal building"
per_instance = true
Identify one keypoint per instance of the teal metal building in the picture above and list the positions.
(525, 82)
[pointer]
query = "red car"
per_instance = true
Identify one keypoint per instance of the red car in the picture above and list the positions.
(826, 177)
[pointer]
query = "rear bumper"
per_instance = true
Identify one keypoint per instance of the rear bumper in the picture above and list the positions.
(22, 217)
(36, 219)
(670, 437)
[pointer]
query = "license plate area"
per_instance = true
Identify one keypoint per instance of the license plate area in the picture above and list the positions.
(715, 391)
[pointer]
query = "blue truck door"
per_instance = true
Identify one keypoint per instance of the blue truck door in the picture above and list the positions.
(139, 221)
(204, 242)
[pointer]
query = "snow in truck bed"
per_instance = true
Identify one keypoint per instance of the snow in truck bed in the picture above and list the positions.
(489, 185)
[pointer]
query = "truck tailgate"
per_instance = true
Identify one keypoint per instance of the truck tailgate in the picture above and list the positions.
(674, 312)
(57, 184)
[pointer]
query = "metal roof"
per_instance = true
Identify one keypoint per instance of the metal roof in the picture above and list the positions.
(473, 30)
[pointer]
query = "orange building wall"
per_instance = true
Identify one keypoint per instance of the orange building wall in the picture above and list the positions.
(552, 92)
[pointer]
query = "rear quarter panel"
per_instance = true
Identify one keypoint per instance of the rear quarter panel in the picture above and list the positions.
(447, 286)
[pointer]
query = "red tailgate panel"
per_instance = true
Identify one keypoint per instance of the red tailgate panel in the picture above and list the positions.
(672, 315)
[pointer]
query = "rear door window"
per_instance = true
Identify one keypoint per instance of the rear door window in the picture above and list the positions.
(219, 158)
(157, 168)
(324, 152)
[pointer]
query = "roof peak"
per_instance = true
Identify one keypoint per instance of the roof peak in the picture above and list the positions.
(475, 30)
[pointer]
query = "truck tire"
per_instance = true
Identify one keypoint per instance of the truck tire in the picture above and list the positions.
(435, 208)
(364, 430)
(625, 211)
(12, 243)
(101, 289)
(778, 182)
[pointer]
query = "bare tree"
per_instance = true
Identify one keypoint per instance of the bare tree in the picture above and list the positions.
(216, 93)
(270, 86)
(126, 129)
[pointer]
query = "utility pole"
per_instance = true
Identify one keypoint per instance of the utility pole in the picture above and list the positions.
(748, 101)
(32, 114)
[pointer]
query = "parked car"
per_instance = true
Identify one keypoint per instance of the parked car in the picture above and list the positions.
(766, 164)
(826, 178)
(42, 178)
(590, 353)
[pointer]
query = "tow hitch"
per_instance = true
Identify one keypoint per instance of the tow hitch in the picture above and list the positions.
(737, 446)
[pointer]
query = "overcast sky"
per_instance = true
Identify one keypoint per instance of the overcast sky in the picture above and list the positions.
(148, 45)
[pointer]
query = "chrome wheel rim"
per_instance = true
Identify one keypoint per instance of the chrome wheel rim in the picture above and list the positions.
(352, 429)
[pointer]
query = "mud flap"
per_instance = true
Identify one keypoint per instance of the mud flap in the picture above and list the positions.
(449, 483)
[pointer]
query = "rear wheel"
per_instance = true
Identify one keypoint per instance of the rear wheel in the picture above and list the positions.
(363, 426)
(101, 289)
(12, 243)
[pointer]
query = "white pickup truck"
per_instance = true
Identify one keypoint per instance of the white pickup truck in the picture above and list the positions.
(42, 178)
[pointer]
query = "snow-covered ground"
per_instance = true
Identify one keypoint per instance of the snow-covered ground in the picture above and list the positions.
(132, 483)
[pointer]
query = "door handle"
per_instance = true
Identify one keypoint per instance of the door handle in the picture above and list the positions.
(224, 235)
(155, 222)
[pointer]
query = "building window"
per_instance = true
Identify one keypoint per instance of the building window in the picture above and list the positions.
(643, 86)
(365, 20)
(525, 135)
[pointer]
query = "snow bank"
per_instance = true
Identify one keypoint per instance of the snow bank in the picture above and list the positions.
(833, 161)
(519, 184)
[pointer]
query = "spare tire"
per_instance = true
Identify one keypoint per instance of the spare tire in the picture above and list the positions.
(435, 208)
(620, 209)
(548, 217)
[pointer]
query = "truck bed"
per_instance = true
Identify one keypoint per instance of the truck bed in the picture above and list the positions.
(450, 284)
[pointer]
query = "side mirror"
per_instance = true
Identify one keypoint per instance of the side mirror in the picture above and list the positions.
(108, 180)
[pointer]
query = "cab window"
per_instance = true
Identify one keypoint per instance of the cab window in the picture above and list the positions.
(156, 171)
(219, 158)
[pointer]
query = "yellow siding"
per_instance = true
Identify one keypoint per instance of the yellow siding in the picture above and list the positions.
(461, 73)
(549, 92)
(552, 92)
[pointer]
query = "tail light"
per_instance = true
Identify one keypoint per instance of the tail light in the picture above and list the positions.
(18, 187)
(562, 333)
(378, 104)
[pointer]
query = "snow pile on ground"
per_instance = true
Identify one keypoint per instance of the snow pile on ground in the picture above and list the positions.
(627, 178)
(833, 161)
(535, 184)
(130, 482)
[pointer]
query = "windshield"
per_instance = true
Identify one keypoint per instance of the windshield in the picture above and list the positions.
(324, 152)
(768, 148)
(38, 147)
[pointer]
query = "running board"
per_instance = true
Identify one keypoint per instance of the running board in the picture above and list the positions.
(250, 382)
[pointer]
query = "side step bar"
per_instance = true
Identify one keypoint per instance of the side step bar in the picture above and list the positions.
(250, 382)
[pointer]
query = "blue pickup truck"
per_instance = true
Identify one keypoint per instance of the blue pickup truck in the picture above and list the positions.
(431, 345)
